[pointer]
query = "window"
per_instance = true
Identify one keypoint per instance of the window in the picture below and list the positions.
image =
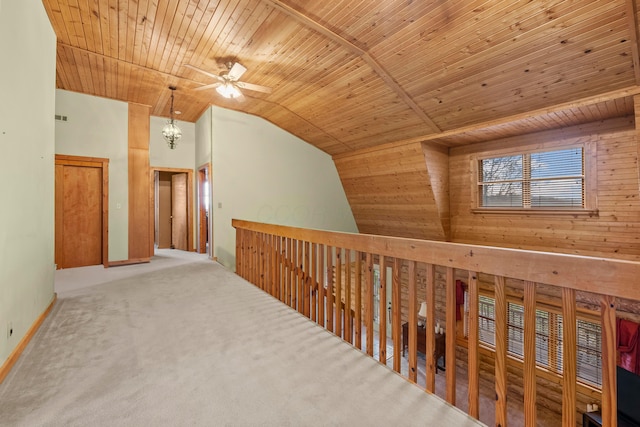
(548, 339)
(529, 180)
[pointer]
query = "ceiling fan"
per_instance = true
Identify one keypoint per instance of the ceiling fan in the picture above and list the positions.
(228, 82)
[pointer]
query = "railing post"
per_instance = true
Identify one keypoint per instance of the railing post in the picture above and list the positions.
(450, 338)
(322, 298)
(568, 357)
(348, 318)
(609, 380)
(358, 300)
(501, 351)
(430, 326)
(530, 353)
(396, 313)
(314, 282)
(382, 315)
(473, 346)
(369, 303)
(338, 277)
(413, 324)
(330, 296)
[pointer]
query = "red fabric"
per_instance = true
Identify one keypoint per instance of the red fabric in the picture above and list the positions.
(627, 344)
(459, 298)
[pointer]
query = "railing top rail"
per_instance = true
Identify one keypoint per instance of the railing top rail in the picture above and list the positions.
(599, 275)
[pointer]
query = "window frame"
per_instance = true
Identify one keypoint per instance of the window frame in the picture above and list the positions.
(589, 150)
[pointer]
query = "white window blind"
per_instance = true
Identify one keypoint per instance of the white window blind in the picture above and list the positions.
(546, 179)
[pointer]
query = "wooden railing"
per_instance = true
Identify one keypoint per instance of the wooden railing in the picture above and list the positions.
(297, 266)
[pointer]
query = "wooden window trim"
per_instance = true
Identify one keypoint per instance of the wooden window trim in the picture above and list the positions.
(590, 180)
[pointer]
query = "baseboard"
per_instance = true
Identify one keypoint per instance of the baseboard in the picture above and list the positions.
(15, 355)
(128, 262)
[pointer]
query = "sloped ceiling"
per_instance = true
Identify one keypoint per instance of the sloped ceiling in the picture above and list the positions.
(350, 75)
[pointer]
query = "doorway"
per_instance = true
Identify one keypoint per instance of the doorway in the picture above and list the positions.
(204, 204)
(81, 211)
(172, 191)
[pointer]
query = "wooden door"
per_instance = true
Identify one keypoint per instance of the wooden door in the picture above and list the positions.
(179, 211)
(163, 210)
(78, 211)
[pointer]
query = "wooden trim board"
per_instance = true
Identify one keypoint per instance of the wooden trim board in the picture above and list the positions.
(15, 354)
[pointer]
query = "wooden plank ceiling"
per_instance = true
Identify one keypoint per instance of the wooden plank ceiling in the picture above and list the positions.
(348, 75)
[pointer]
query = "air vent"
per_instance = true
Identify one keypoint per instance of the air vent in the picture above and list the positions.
(61, 118)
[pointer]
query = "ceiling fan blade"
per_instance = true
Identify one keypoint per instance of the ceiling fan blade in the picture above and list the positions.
(236, 71)
(251, 86)
(211, 86)
(206, 73)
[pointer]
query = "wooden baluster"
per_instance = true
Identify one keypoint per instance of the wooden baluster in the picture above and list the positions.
(382, 315)
(322, 301)
(569, 367)
(501, 351)
(338, 293)
(299, 277)
(396, 316)
(348, 318)
(306, 282)
(314, 282)
(609, 376)
(450, 340)
(294, 273)
(430, 326)
(330, 299)
(358, 300)
(239, 233)
(288, 273)
(473, 346)
(369, 303)
(413, 324)
(530, 415)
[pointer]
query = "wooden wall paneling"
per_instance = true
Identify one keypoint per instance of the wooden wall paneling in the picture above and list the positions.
(501, 352)
(382, 306)
(530, 399)
(451, 333)
(139, 204)
(437, 162)
(396, 314)
(609, 352)
(358, 299)
(569, 355)
(473, 366)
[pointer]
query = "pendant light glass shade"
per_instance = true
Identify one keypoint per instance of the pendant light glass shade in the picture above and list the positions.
(171, 132)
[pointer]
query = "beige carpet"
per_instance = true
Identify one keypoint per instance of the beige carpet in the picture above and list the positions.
(194, 344)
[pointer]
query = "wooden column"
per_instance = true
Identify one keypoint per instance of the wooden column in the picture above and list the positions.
(383, 312)
(369, 303)
(450, 341)
(396, 315)
(358, 300)
(569, 368)
(530, 353)
(609, 387)
(473, 343)
(338, 292)
(348, 318)
(501, 351)
(140, 205)
(413, 324)
(430, 326)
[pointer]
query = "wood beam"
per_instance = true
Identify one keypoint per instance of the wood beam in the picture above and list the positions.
(366, 57)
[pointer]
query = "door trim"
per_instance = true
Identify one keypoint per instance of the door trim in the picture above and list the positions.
(152, 199)
(202, 226)
(95, 162)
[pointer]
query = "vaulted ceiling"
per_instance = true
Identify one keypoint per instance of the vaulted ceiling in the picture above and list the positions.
(348, 75)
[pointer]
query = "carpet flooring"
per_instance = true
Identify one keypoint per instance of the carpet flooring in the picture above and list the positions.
(194, 344)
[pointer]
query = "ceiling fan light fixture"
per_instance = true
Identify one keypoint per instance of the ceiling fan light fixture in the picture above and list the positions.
(171, 132)
(228, 90)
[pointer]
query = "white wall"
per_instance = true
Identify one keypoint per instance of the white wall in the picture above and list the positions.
(98, 127)
(183, 156)
(27, 85)
(263, 173)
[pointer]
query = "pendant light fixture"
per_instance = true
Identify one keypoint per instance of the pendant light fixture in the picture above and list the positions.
(171, 132)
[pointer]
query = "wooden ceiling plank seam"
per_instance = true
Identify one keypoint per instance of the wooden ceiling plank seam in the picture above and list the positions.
(187, 35)
(157, 34)
(149, 17)
(632, 19)
(102, 8)
(223, 44)
(70, 25)
(123, 7)
(210, 35)
(199, 34)
(140, 21)
(78, 25)
(86, 76)
(87, 24)
(458, 69)
(132, 28)
(174, 39)
(114, 33)
(368, 58)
